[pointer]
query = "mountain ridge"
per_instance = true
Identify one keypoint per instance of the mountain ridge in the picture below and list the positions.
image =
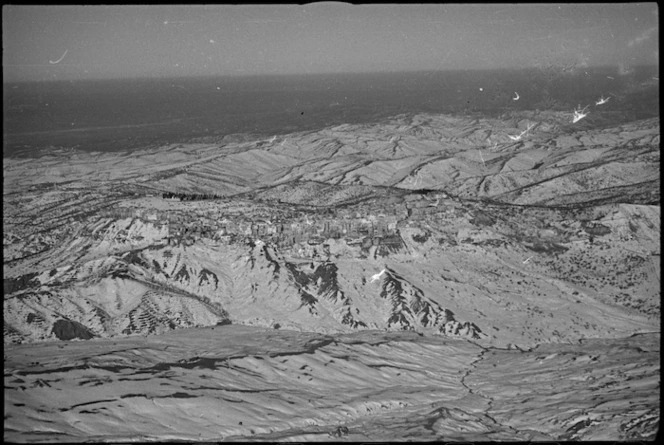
(311, 216)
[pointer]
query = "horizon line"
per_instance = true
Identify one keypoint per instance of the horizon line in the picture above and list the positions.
(344, 73)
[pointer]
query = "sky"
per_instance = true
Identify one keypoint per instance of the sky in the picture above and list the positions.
(125, 41)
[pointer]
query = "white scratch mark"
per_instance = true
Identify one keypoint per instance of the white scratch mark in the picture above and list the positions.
(377, 276)
(518, 137)
(60, 59)
(602, 101)
(579, 114)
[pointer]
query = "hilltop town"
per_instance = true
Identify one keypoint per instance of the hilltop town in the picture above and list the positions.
(373, 223)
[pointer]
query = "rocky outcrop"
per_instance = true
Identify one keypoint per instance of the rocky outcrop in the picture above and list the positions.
(67, 330)
(411, 310)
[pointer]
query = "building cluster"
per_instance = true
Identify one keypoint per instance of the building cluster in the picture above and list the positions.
(372, 223)
(284, 233)
(189, 196)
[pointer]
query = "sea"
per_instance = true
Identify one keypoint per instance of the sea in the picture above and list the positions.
(131, 114)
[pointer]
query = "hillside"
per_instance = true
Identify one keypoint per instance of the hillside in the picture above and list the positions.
(438, 254)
